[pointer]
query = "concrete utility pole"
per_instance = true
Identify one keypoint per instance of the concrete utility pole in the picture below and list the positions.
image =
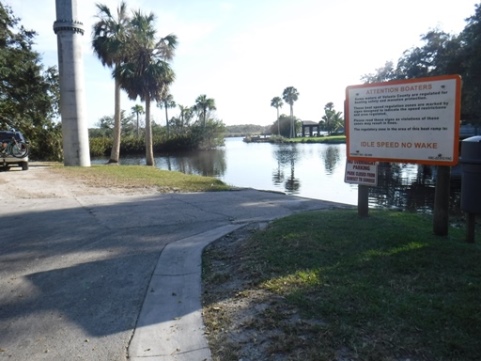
(74, 128)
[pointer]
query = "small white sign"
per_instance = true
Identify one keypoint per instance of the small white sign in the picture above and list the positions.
(361, 172)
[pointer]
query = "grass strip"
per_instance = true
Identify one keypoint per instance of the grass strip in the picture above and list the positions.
(133, 176)
(330, 139)
(376, 288)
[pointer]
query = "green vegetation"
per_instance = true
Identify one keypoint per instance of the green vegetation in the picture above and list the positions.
(29, 92)
(442, 54)
(344, 287)
(330, 139)
(283, 125)
(291, 95)
(203, 105)
(140, 177)
(166, 102)
(245, 130)
(142, 68)
(179, 139)
(277, 103)
(332, 120)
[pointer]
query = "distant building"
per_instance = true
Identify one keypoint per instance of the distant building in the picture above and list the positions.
(310, 126)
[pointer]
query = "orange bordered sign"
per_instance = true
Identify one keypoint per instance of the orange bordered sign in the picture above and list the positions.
(405, 121)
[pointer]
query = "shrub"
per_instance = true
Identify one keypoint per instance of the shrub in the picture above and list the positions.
(100, 146)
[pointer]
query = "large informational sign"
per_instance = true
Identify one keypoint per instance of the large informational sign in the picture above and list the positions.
(411, 121)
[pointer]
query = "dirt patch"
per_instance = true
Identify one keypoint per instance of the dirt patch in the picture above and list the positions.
(244, 321)
(43, 181)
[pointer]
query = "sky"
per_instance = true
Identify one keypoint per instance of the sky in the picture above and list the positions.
(243, 53)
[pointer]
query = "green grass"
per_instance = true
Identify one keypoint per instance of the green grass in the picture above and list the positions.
(331, 139)
(141, 177)
(379, 288)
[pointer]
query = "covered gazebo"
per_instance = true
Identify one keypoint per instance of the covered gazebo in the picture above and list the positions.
(309, 124)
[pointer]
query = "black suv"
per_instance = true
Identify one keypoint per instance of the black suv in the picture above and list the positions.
(7, 160)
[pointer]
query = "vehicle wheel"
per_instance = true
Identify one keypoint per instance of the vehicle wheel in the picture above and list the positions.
(19, 150)
(24, 165)
(5, 169)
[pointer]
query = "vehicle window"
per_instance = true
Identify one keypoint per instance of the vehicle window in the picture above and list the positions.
(8, 135)
(5, 135)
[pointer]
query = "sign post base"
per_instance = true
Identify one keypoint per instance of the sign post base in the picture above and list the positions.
(441, 201)
(363, 201)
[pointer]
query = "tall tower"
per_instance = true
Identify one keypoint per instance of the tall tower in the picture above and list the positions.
(69, 47)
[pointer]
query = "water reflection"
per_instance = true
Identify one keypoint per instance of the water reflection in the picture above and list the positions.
(211, 163)
(403, 186)
(292, 184)
(411, 187)
(307, 170)
(286, 154)
(331, 156)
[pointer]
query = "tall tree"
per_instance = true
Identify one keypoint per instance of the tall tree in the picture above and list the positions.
(277, 103)
(202, 105)
(332, 118)
(137, 109)
(29, 94)
(284, 126)
(471, 58)
(127, 121)
(385, 73)
(290, 95)
(147, 73)
(167, 101)
(186, 114)
(110, 37)
(440, 54)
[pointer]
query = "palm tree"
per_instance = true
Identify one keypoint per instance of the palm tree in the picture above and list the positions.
(290, 95)
(185, 114)
(127, 122)
(167, 101)
(108, 42)
(137, 109)
(202, 105)
(331, 118)
(277, 103)
(147, 73)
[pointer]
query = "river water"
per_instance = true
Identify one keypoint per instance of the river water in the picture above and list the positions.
(308, 170)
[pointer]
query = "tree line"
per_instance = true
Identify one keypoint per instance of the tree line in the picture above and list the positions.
(288, 126)
(29, 92)
(444, 54)
(128, 43)
(193, 128)
(440, 54)
(141, 67)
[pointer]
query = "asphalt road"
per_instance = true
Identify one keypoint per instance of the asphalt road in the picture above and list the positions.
(75, 270)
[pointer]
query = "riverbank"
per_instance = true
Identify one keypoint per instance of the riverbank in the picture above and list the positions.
(331, 139)
(53, 180)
